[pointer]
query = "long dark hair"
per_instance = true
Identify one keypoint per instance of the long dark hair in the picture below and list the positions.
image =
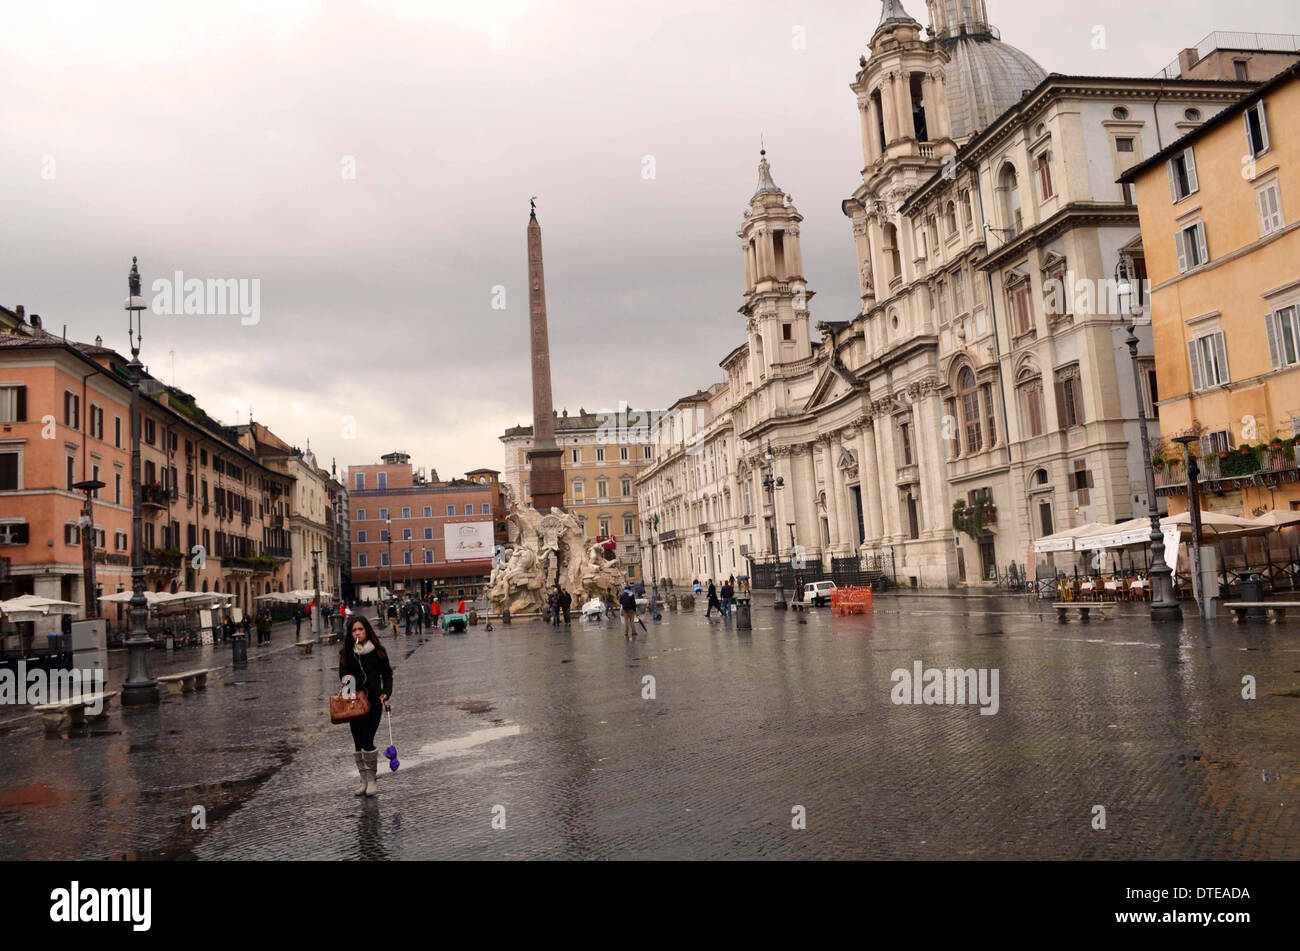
(347, 654)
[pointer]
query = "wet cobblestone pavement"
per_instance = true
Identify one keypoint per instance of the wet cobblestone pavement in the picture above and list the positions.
(1148, 722)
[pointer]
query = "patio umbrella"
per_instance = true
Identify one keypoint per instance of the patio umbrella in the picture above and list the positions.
(33, 602)
(151, 598)
(1064, 540)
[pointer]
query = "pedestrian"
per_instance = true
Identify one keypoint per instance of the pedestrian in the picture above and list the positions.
(713, 599)
(436, 612)
(460, 606)
(798, 586)
(364, 659)
(609, 603)
(698, 588)
(566, 602)
(728, 592)
(553, 602)
(628, 601)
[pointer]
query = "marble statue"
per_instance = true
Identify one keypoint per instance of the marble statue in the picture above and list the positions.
(550, 549)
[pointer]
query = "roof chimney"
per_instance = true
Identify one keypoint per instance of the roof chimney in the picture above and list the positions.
(36, 321)
(99, 341)
(21, 311)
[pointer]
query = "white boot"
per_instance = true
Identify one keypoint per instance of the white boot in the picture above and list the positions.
(371, 756)
(361, 771)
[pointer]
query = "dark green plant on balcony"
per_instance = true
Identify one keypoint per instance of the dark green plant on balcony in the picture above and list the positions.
(974, 519)
(151, 493)
(1242, 461)
(163, 557)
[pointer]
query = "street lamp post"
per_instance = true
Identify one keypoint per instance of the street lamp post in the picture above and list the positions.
(650, 531)
(315, 605)
(772, 483)
(391, 590)
(1164, 603)
(89, 486)
(140, 688)
(1194, 508)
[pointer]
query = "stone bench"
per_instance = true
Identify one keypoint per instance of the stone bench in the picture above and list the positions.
(72, 712)
(304, 647)
(1276, 610)
(1085, 608)
(187, 681)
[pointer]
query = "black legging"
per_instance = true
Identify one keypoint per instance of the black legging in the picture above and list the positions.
(364, 728)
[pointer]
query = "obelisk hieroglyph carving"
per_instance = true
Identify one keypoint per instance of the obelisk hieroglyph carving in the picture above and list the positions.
(546, 480)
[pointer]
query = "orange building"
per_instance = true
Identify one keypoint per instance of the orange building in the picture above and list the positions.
(443, 534)
(1220, 214)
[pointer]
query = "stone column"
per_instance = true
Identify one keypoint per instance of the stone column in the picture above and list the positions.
(809, 528)
(842, 505)
(793, 254)
(888, 474)
(903, 101)
(929, 103)
(931, 453)
(888, 105)
(870, 483)
(784, 507)
(868, 133)
(832, 503)
(874, 121)
(941, 116)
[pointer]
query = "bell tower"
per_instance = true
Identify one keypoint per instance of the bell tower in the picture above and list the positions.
(776, 293)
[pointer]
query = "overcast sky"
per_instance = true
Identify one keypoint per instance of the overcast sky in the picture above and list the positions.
(214, 139)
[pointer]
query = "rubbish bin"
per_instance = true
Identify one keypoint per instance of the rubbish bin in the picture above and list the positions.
(239, 649)
(743, 622)
(1252, 589)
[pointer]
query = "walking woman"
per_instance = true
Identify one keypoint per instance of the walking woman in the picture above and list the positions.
(365, 659)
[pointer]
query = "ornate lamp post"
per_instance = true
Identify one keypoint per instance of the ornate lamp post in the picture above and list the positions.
(650, 524)
(772, 484)
(140, 687)
(1194, 508)
(1164, 603)
(315, 605)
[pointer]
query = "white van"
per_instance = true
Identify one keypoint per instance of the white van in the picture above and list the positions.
(818, 592)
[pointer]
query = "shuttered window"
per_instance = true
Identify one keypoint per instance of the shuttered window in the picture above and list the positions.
(1283, 337)
(1193, 251)
(1208, 357)
(1256, 129)
(13, 404)
(1270, 209)
(1182, 175)
(1069, 400)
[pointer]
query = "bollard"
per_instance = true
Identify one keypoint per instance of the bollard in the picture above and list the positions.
(473, 617)
(743, 622)
(505, 615)
(239, 649)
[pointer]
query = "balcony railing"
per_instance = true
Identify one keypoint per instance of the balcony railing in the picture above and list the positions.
(162, 558)
(154, 495)
(1233, 464)
(276, 552)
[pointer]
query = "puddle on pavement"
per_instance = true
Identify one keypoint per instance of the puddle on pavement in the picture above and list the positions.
(38, 794)
(473, 706)
(461, 744)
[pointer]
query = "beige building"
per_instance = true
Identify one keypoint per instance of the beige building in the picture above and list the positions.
(602, 457)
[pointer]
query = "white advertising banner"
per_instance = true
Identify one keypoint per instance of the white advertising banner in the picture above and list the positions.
(467, 541)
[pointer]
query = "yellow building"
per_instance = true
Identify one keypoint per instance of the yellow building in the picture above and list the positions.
(602, 457)
(1220, 217)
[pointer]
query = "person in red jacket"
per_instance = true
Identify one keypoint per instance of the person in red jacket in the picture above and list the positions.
(460, 606)
(435, 609)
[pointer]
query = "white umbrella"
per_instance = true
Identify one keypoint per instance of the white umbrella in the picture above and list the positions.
(1278, 518)
(1064, 540)
(33, 602)
(151, 598)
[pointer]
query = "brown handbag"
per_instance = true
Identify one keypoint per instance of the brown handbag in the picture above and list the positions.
(343, 709)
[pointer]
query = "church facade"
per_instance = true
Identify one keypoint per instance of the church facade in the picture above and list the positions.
(982, 396)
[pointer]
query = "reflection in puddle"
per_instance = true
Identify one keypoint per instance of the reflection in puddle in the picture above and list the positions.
(445, 748)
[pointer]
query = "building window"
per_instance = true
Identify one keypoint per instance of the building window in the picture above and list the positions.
(1031, 402)
(578, 489)
(10, 470)
(1192, 249)
(150, 431)
(1216, 442)
(1239, 70)
(361, 515)
(600, 454)
(451, 509)
(117, 488)
(1081, 481)
(1009, 186)
(382, 479)
(428, 556)
(604, 525)
(361, 481)
(1043, 172)
(627, 525)
(1208, 357)
(950, 217)
(1124, 145)
(602, 489)
(428, 534)
(1270, 209)
(1283, 334)
(13, 404)
(1069, 398)
(1120, 113)
(623, 453)
(786, 334)
(72, 471)
(904, 442)
(990, 419)
(485, 508)
(968, 396)
(406, 534)
(361, 537)
(383, 515)
(406, 557)
(1150, 395)
(362, 559)
(71, 409)
(383, 558)
(428, 511)
(645, 452)
(959, 291)
(383, 534)
(1182, 175)
(627, 486)
(117, 431)
(1022, 314)
(575, 455)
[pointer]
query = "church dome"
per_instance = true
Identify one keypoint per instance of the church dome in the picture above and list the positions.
(984, 77)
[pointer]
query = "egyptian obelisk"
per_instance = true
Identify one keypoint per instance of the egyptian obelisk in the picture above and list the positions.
(547, 478)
